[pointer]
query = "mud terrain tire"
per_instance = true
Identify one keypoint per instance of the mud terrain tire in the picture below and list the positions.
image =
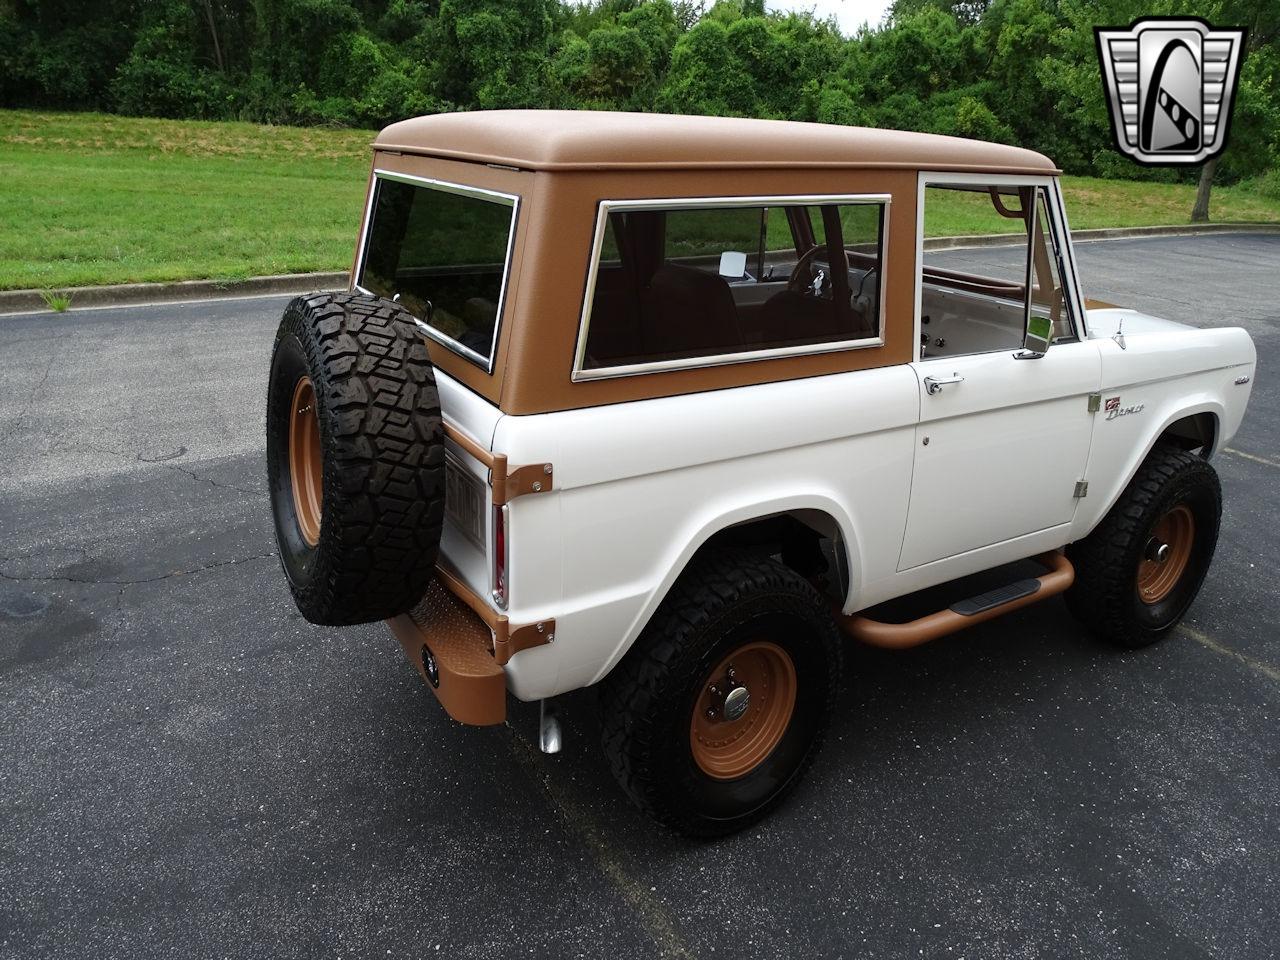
(1121, 591)
(355, 458)
(652, 701)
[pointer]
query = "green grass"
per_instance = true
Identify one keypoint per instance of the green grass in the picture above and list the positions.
(57, 302)
(91, 199)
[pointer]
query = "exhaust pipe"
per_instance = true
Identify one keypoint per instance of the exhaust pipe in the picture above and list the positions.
(548, 728)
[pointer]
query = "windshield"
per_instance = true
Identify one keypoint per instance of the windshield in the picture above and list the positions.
(441, 251)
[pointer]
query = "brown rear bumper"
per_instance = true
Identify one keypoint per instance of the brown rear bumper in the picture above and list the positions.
(459, 645)
(450, 646)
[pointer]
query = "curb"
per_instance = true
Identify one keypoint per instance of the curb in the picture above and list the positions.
(139, 294)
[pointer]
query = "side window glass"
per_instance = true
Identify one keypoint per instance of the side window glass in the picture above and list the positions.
(973, 299)
(441, 251)
(707, 281)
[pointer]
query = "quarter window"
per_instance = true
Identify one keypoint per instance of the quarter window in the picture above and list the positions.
(441, 251)
(716, 283)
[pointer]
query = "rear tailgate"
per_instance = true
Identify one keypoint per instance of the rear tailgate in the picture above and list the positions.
(467, 542)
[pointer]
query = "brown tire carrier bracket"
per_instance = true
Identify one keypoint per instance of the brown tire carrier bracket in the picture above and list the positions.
(456, 639)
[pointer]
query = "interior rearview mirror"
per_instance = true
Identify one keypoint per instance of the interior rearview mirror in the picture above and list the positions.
(733, 264)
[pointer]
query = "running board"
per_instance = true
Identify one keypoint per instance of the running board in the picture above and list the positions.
(986, 606)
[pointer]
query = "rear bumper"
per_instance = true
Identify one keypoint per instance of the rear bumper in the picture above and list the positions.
(458, 643)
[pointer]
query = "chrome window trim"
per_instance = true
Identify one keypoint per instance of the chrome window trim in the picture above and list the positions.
(459, 189)
(1052, 186)
(722, 359)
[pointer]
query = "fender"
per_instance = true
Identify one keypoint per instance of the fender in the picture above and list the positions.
(1091, 510)
(704, 526)
(1163, 373)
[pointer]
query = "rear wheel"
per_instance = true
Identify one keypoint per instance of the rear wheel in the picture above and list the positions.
(717, 710)
(355, 458)
(1140, 569)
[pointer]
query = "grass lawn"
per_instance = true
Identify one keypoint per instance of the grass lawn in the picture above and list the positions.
(89, 199)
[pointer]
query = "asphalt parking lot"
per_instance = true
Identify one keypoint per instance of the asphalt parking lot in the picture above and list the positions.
(187, 768)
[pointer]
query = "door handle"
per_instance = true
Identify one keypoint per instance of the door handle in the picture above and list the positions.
(935, 384)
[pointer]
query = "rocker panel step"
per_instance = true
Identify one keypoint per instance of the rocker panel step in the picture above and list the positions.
(1059, 575)
(997, 597)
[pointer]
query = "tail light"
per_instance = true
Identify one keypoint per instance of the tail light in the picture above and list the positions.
(500, 556)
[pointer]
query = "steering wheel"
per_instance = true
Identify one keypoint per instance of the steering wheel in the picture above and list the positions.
(802, 274)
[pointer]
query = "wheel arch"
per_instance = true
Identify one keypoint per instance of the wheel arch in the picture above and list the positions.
(1193, 426)
(818, 512)
(1194, 431)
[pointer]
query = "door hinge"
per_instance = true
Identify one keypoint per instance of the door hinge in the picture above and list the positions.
(1082, 489)
(1095, 402)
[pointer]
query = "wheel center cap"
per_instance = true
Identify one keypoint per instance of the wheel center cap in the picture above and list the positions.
(1157, 550)
(736, 703)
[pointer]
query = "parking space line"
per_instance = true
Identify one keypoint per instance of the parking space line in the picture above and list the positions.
(1257, 666)
(1251, 456)
(581, 820)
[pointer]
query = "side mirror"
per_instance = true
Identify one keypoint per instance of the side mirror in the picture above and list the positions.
(1037, 339)
(733, 264)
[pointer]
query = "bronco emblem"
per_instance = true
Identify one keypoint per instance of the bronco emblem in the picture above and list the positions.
(1170, 84)
(1114, 410)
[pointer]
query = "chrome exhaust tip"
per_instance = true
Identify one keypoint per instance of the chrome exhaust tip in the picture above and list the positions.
(548, 728)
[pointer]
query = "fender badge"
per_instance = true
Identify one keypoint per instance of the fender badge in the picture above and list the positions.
(1114, 410)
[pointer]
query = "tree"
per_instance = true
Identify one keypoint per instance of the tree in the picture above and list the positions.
(1255, 122)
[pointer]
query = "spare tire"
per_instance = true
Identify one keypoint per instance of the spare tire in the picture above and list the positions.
(355, 458)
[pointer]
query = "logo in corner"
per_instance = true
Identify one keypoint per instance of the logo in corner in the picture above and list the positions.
(1170, 84)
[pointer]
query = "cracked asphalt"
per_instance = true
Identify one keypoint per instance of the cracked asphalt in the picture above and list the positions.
(187, 768)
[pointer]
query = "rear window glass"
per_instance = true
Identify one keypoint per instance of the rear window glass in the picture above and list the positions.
(715, 283)
(441, 251)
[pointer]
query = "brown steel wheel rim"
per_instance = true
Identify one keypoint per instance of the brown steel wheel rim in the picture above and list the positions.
(306, 467)
(1167, 553)
(727, 744)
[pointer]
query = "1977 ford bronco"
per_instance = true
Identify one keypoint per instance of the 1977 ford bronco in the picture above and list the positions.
(666, 404)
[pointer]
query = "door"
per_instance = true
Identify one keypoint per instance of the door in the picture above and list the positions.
(1004, 432)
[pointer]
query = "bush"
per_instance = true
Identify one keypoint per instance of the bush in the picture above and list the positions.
(159, 80)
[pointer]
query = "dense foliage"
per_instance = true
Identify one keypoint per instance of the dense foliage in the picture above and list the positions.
(1021, 71)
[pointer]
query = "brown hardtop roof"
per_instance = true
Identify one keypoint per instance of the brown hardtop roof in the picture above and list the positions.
(597, 140)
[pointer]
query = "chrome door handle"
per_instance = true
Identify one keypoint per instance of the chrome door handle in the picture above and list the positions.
(935, 384)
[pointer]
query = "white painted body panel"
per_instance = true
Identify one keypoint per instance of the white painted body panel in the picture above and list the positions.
(1172, 371)
(1006, 447)
(477, 418)
(639, 487)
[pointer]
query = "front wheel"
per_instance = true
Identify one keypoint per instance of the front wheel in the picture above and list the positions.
(1142, 566)
(717, 710)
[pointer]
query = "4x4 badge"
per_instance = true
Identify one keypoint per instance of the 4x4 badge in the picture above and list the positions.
(1170, 84)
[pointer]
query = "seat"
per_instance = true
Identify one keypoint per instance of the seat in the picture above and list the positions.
(686, 312)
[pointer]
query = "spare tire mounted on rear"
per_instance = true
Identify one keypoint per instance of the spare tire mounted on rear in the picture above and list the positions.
(355, 458)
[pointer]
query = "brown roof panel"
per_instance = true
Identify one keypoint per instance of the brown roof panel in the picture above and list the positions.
(596, 140)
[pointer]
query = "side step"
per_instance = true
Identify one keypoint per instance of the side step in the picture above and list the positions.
(986, 606)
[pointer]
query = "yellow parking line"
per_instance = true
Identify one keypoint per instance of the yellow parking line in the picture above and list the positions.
(1251, 456)
(646, 904)
(1257, 666)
